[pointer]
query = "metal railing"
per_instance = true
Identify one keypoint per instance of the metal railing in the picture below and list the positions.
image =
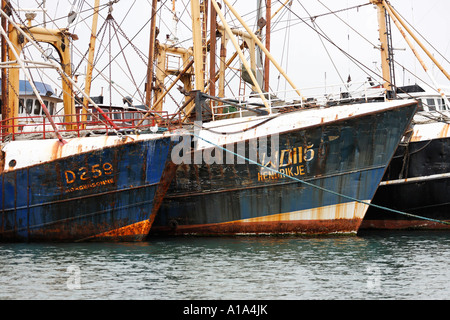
(40, 126)
(283, 101)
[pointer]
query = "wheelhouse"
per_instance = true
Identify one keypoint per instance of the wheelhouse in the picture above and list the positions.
(429, 101)
(124, 116)
(30, 109)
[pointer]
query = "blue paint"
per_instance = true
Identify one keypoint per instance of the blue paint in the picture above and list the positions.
(83, 195)
(350, 158)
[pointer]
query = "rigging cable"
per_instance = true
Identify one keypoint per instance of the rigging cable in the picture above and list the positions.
(61, 72)
(358, 63)
(424, 38)
(289, 12)
(319, 187)
(313, 20)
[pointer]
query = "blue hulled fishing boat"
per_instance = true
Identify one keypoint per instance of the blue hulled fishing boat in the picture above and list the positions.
(265, 165)
(78, 173)
(317, 177)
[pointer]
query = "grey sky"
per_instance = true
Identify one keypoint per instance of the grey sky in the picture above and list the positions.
(302, 53)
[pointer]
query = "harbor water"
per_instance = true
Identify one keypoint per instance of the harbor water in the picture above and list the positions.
(372, 266)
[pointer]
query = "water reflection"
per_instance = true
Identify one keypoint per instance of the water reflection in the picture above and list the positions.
(396, 265)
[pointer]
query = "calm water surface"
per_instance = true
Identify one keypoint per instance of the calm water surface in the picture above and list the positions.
(387, 265)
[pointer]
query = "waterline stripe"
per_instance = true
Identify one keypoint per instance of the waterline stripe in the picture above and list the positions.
(416, 179)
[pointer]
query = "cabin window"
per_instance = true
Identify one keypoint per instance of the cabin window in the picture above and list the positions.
(441, 104)
(29, 106)
(117, 114)
(21, 106)
(93, 115)
(37, 107)
(46, 105)
(420, 107)
(52, 108)
(128, 115)
(431, 105)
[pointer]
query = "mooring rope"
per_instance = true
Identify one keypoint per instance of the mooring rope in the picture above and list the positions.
(321, 188)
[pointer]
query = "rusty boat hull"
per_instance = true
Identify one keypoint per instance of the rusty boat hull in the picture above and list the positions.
(330, 164)
(416, 182)
(84, 192)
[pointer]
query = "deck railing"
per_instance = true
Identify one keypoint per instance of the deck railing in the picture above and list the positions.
(283, 101)
(94, 123)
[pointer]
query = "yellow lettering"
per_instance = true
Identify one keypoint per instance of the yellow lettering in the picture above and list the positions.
(309, 154)
(71, 179)
(289, 171)
(283, 152)
(108, 168)
(83, 175)
(295, 156)
(302, 170)
(260, 177)
(96, 172)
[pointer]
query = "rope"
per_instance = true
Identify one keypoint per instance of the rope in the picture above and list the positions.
(321, 188)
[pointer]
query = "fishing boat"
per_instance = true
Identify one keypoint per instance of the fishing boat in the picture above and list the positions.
(329, 167)
(412, 194)
(418, 175)
(73, 174)
(264, 165)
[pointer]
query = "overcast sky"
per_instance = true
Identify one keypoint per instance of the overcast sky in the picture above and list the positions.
(309, 60)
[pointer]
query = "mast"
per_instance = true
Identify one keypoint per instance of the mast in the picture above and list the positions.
(397, 23)
(198, 45)
(400, 20)
(151, 55)
(385, 61)
(212, 52)
(268, 31)
(258, 42)
(59, 39)
(30, 80)
(4, 99)
(260, 22)
(90, 65)
(238, 49)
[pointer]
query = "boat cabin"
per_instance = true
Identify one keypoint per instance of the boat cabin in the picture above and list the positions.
(32, 118)
(123, 116)
(429, 101)
(30, 108)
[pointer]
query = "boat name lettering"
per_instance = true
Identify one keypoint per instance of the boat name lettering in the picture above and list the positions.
(91, 185)
(87, 173)
(299, 170)
(296, 155)
(292, 163)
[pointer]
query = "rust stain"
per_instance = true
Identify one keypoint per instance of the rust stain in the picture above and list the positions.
(165, 181)
(56, 151)
(444, 131)
(306, 227)
(416, 136)
(133, 231)
(343, 218)
(343, 211)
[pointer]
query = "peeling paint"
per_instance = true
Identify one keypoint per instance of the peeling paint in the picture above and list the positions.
(103, 193)
(351, 155)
